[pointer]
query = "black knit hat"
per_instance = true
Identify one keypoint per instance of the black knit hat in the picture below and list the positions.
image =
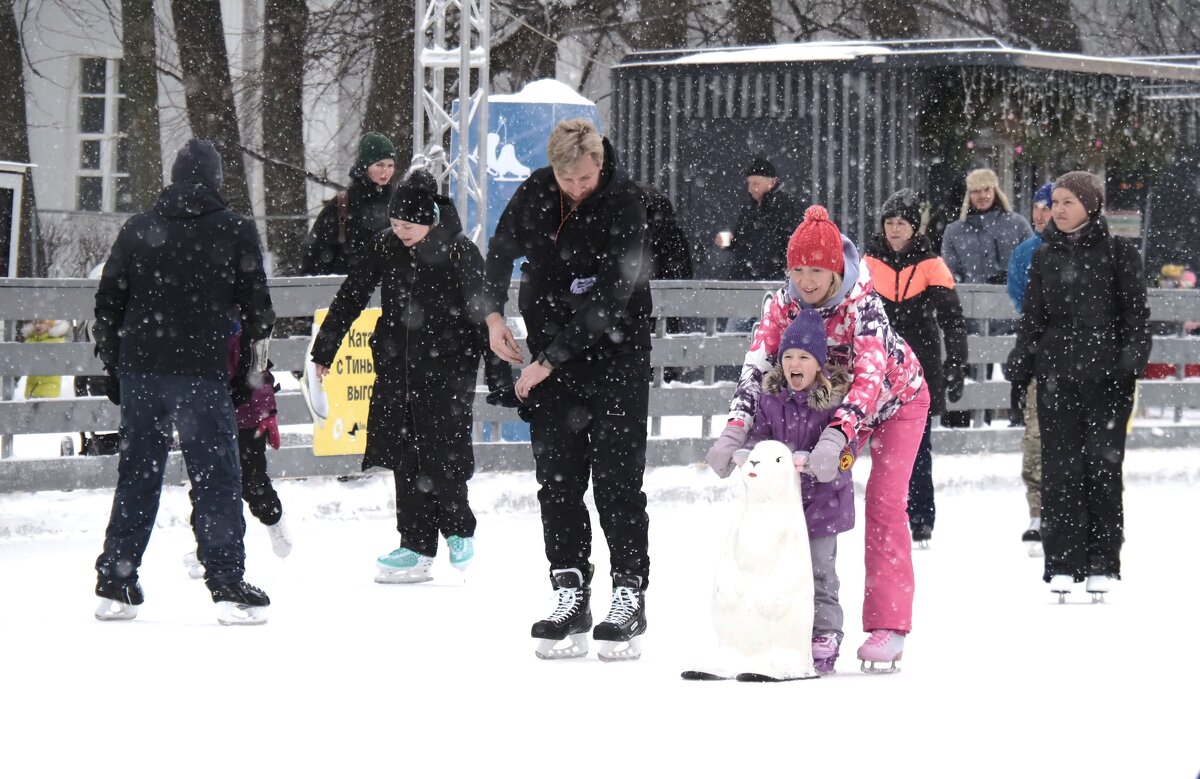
(905, 204)
(418, 206)
(200, 161)
(374, 147)
(761, 166)
(421, 179)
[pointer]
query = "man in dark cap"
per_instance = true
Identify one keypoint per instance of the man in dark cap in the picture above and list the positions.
(177, 279)
(764, 225)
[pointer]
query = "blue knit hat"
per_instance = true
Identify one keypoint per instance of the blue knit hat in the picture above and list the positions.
(807, 332)
(1043, 194)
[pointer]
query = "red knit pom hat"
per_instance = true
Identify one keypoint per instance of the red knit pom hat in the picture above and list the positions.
(817, 243)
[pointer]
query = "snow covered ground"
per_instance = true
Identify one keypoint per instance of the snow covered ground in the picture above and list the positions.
(356, 679)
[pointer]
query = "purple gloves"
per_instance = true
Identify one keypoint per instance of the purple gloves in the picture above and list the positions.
(826, 456)
(720, 456)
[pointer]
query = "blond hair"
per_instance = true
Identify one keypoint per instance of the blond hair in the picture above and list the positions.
(571, 141)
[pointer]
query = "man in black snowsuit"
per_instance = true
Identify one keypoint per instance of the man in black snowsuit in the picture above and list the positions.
(585, 295)
(176, 277)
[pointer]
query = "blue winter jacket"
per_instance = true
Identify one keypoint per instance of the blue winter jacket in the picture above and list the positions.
(1018, 269)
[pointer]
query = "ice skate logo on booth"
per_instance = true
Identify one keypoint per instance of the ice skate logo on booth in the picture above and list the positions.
(502, 162)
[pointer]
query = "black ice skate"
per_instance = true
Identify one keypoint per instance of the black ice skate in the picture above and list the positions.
(240, 604)
(921, 536)
(619, 634)
(118, 599)
(571, 620)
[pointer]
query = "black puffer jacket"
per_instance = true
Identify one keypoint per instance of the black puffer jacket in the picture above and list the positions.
(919, 297)
(425, 347)
(1084, 316)
(585, 282)
(330, 250)
(760, 239)
(176, 278)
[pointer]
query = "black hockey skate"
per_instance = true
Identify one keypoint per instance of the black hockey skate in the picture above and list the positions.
(118, 599)
(619, 633)
(240, 604)
(571, 620)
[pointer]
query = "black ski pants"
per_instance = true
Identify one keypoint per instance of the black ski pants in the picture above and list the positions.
(1083, 453)
(588, 419)
(202, 412)
(430, 497)
(921, 508)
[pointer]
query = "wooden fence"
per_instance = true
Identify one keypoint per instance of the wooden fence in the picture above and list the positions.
(704, 303)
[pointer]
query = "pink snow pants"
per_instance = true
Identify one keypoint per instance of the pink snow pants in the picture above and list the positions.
(888, 592)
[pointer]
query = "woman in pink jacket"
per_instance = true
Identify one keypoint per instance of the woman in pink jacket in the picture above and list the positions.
(887, 404)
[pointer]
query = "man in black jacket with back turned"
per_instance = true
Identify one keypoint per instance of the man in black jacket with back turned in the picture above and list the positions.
(585, 296)
(177, 277)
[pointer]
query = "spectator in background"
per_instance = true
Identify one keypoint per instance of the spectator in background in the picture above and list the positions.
(977, 249)
(1084, 337)
(177, 276)
(670, 251)
(764, 225)
(353, 218)
(44, 331)
(919, 298)
(1025, 397)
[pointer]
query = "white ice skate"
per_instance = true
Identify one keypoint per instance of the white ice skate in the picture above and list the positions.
(882, 646)
(281, 538)
(192, 563)
(111, 610)
(238, 614)
(611, 651)
(1061, 585)
(1097, 586)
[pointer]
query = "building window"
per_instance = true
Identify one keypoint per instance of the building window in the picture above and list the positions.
(102, 183)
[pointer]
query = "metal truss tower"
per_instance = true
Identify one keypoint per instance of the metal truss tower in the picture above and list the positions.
(461, 60)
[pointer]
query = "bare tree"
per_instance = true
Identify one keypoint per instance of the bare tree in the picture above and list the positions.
(662, 24)
(753, 22)
(14, 132)
(140, 107)
(209, 90)
(390, 98)
(285, 24)
(891, 19)
(1045, 24)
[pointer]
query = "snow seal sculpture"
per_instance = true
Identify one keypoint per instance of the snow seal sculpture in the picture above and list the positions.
(762, 604)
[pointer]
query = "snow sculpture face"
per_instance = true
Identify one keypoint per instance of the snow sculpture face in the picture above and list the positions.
(768, 471)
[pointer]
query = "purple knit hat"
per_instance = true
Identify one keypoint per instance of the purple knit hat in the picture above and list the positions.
(807, 332)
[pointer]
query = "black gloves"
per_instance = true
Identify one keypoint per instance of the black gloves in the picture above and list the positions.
(1017, 368)
(954, 381)
(505, 397)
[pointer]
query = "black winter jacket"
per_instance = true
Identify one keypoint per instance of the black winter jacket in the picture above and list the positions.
(918, 295)
(176, 278)
(668, 244)
(1084, 316)
(760, 239)
(330, 252)
(585, 282)
(425, 348)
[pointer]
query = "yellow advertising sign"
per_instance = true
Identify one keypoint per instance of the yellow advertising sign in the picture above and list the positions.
(341, 400)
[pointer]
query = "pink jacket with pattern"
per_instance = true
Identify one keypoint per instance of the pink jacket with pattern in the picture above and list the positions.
(885, 372)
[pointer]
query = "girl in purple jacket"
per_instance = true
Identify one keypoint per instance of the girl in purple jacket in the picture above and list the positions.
(797, 403)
